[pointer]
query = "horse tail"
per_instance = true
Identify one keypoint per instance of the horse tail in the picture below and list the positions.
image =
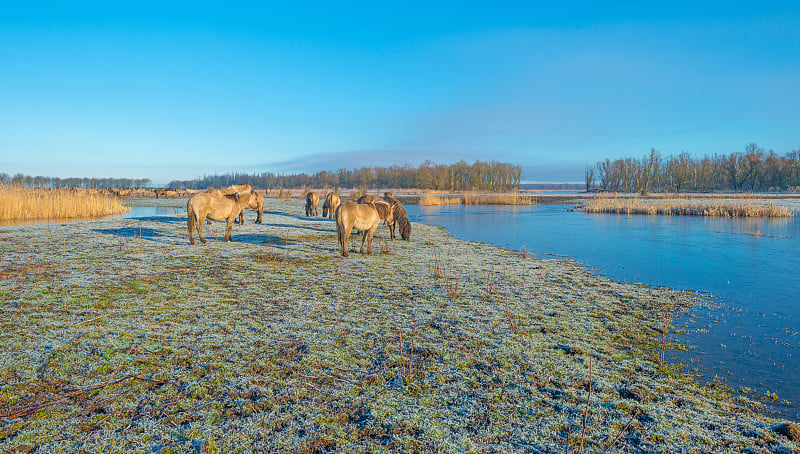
(191, 220)
(340, 232)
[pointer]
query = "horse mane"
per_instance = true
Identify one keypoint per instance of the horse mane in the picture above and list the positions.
(383, 209)
(391, 199)
(369, 198)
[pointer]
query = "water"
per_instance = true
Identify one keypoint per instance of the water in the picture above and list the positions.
(749, 336)
(146, 212)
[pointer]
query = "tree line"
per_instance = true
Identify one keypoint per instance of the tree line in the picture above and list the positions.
(461, 176)
(73, 182)
(753, 170)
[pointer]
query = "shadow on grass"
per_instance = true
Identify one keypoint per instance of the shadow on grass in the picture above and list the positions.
(300, 216)
(140, 233)
(301, 227)
(165, 219)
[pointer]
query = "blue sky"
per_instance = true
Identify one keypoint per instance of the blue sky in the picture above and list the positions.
(176, 90)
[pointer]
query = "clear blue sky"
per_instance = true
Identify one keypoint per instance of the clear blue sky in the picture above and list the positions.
(176, 90)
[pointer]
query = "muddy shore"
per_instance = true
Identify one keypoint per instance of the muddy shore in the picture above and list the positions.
(118, 336)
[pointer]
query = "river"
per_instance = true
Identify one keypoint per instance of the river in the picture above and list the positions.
(749, 333)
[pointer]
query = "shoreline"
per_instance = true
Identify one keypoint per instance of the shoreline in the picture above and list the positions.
(277, 341)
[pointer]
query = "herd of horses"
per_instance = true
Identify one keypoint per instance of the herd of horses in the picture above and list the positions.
(364, 215)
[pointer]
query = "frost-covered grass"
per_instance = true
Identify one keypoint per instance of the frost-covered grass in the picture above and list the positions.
(118, 336)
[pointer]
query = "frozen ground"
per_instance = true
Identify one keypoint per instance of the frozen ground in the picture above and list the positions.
(118, 336)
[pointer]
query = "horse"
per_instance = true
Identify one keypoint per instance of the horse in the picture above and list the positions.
(202, 206)
(400, 217)
(238, 188)
(256, 200)
(312, 199)
(233, 189)
(361, 216)
(329, 206)
(256, 204)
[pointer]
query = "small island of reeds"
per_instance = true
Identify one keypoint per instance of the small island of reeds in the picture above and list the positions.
(686, 207)
(18, 203)
(477, 199)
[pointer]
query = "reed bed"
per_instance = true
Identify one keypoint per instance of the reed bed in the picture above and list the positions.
(477, 199)
(684, 207)
(24, 204)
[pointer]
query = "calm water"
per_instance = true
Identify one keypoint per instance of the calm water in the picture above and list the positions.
(749, 336)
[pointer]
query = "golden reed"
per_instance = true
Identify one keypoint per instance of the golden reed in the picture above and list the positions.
(684, 207)
(477, 199)
(23, 204)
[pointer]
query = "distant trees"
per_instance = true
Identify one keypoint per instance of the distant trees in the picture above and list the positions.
(55, 182)
(752, 170)
(461, 176)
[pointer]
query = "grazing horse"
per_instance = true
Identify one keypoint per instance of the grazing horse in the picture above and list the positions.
(256, 204)
(331, 203)
(215, 207)
(400, 217)
(312, 199)
(361, 216)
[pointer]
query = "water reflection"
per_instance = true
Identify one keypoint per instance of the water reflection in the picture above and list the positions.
(750, 338)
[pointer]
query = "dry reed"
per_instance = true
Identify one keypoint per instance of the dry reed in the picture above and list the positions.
(684, 207)
(22, 204)
(477, 199)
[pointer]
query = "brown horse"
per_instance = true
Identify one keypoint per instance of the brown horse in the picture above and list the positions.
(331, 203)
(256, 204)
(399, 213)
(312, 200)
(361, 216)
(230, 189)
(400, 217)
(215, 207)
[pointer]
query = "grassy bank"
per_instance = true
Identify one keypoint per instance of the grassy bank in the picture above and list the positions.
(117, 336)
(685, 207)
(18, 203)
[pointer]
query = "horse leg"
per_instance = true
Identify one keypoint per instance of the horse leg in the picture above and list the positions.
(368, 237)
(200, 222)
(391, 229)
(228, 228)
(344, 234)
